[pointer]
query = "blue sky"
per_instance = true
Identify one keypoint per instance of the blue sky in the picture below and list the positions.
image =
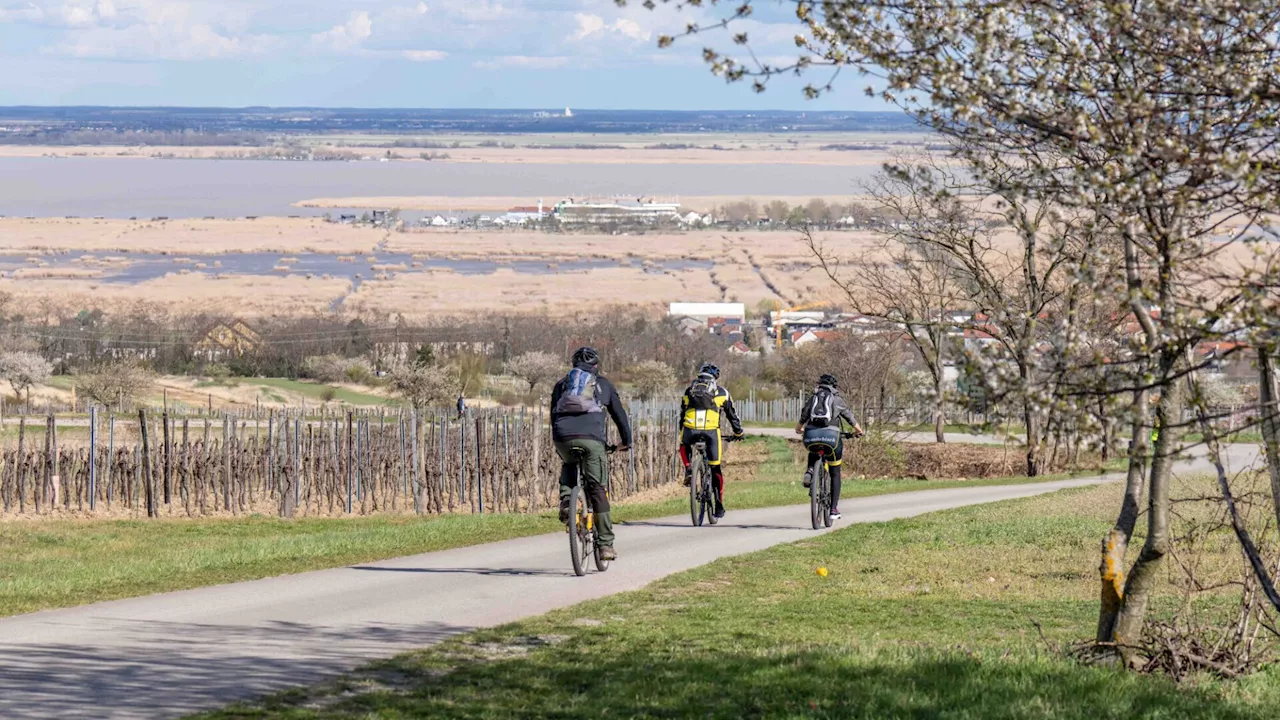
(383, 53)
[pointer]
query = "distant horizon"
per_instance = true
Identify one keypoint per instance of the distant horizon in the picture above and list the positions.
(423, 108)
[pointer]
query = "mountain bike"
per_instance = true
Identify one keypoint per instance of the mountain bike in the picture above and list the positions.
(582, 517)
(702, 494)
(820, 483)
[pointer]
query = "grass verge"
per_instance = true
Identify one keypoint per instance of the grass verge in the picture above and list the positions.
(61, 563)
(929, 617)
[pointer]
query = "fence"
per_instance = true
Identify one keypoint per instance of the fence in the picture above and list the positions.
(288, 464)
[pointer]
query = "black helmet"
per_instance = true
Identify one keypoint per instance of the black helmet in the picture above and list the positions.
(709, 369)
(828, 380)
(586, 356)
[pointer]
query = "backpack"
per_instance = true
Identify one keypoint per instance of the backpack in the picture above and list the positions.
(702, 394)
(581, 394)
(821, 408)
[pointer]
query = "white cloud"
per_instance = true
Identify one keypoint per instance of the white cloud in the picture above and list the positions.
(347, 36)
(423, 55)
(588, 25)
(591, 25)
(631, 29)
(538, 62)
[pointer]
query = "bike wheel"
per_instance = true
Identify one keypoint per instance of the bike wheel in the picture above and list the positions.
(709, 495)
(579, 535)
(816, 472)
(695, 487)
(601, 563)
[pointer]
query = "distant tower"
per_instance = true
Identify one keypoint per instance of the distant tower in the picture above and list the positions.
(539, 208)
(568, 112)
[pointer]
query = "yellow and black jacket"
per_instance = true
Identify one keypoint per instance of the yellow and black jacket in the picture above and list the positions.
(697, 414)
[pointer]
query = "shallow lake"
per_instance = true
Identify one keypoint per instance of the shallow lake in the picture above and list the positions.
(128, 187)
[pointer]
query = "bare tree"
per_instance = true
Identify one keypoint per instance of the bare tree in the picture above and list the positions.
(423, 386)
(536, 368)
(652, 378)
(22, 369)
(910, 285)
(113, 383)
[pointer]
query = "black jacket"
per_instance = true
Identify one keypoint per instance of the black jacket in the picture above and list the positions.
(839, 408)
(590, 426)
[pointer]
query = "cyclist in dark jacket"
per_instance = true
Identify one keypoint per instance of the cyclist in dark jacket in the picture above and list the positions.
(834, 410)
(579, 405)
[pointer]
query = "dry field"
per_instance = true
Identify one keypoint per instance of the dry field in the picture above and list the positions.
(185, 237)
(646, 269)
(248, 295)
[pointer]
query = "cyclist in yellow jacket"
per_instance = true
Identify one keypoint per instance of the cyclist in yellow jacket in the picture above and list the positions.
(703, 409)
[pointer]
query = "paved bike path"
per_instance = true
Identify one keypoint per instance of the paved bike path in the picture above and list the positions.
(171, 654)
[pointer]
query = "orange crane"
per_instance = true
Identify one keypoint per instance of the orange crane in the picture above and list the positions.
(779, 325)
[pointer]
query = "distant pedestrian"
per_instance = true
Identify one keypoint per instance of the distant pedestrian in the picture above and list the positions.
(462, 407)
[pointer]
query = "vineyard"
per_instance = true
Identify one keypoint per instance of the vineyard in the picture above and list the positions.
(158, 464)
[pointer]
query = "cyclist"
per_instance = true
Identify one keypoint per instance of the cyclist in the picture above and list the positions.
(579, 404)
(703, 405)
(824, 412)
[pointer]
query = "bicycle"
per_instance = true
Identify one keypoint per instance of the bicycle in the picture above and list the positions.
(582, 531)
(820, 482)
(702, 496)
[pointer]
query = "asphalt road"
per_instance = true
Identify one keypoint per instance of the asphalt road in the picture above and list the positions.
(912, 437)
(171, 654)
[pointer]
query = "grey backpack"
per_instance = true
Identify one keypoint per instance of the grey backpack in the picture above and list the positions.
(581, 394)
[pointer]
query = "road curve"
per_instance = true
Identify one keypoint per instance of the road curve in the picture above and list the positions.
(175, 653)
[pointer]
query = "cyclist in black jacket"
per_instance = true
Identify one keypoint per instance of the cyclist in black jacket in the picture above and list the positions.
(579, 405)
(703, 410)
(825, 410)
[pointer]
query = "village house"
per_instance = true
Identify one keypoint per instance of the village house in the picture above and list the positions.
(231, 338)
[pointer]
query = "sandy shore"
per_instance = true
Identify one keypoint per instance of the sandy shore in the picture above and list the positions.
(186, 237)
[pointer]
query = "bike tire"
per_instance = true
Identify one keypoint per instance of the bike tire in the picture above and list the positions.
(709, 495)
(601, 564)
(695, 487)
(815, 492)
(579, 544)
(826, 497)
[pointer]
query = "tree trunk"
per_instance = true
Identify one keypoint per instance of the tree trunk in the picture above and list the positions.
(1270, 422)
(1115, 545)
(939, 409)
(1033, 439)
(1143, 576)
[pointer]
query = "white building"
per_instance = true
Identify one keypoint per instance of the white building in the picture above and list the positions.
(530, 213)
(706, 311)
(615, 210)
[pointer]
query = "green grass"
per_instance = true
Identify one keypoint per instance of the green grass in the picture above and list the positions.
(930, 617)
(317, 391)
(61, 563)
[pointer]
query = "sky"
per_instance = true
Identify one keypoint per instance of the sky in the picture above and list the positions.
(387, 53)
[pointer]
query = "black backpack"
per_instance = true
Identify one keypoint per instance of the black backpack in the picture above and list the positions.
(822, 408)
(702, 394)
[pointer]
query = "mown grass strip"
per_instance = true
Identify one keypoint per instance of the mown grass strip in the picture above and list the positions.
(928, 617)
